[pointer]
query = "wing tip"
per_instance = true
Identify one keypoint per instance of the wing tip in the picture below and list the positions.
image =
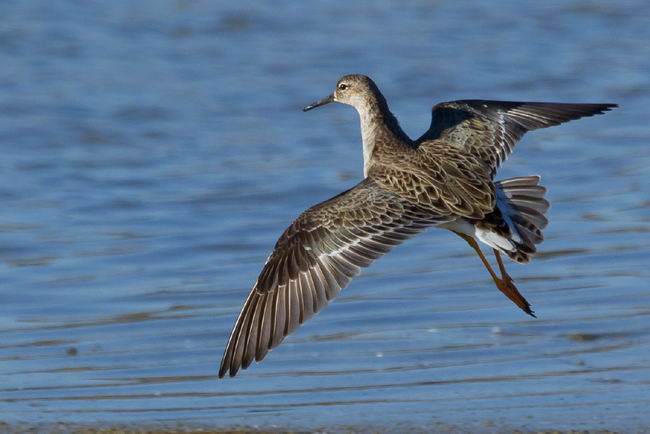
(486, 103)
(608, 106)
(226, 368)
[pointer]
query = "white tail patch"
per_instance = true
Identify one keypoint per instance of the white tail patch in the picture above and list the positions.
(495, 240)
(492, 239)
(520, 203)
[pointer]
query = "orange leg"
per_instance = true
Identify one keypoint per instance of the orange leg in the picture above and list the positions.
(505, 283)
(502, 267)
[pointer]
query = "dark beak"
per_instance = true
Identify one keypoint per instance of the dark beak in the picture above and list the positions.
(320, 102)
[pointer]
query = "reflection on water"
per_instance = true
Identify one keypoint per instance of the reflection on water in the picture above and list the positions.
(150, 160)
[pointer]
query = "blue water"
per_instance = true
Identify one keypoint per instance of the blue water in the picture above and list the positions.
(153, 151)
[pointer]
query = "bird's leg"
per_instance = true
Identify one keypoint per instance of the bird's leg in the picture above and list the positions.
(475, 246)
(509, 283)
(505, 284)
(502, 267)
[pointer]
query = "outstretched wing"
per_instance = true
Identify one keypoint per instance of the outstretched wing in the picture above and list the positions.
(490, 129)
(313, 260)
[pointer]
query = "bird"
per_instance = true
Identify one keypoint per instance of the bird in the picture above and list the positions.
(442, 179)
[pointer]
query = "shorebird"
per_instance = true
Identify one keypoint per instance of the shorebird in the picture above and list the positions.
(443, 179)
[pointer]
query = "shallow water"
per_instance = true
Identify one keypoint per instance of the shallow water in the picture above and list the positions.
(154, 151)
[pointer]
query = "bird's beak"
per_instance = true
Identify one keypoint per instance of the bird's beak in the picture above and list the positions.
(320, 102)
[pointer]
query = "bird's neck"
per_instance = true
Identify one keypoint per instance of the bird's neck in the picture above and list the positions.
(380, 132)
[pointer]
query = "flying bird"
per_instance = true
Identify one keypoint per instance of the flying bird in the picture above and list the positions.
(443, 179)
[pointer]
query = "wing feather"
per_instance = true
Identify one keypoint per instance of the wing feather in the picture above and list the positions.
(316, 257)
(490, 129)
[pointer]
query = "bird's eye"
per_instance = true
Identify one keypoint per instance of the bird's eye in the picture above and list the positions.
(343, 86)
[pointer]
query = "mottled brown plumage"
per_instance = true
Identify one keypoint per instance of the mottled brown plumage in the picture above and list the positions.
(314, 259)
(443, 179)
(490, 129)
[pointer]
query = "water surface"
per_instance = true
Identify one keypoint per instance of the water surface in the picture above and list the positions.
(153, 151)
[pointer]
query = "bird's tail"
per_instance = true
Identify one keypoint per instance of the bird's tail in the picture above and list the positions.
(521, 203)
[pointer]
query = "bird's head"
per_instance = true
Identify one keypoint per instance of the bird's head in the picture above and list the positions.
(355, 90)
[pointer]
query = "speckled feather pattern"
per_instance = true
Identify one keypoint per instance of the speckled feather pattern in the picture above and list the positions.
(444, 180)
(489, 130)
(409, 186)
(314, 259)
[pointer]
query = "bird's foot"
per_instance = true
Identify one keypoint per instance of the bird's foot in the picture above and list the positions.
(507, 286)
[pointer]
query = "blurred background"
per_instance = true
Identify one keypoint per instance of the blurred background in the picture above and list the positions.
(154, 150)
